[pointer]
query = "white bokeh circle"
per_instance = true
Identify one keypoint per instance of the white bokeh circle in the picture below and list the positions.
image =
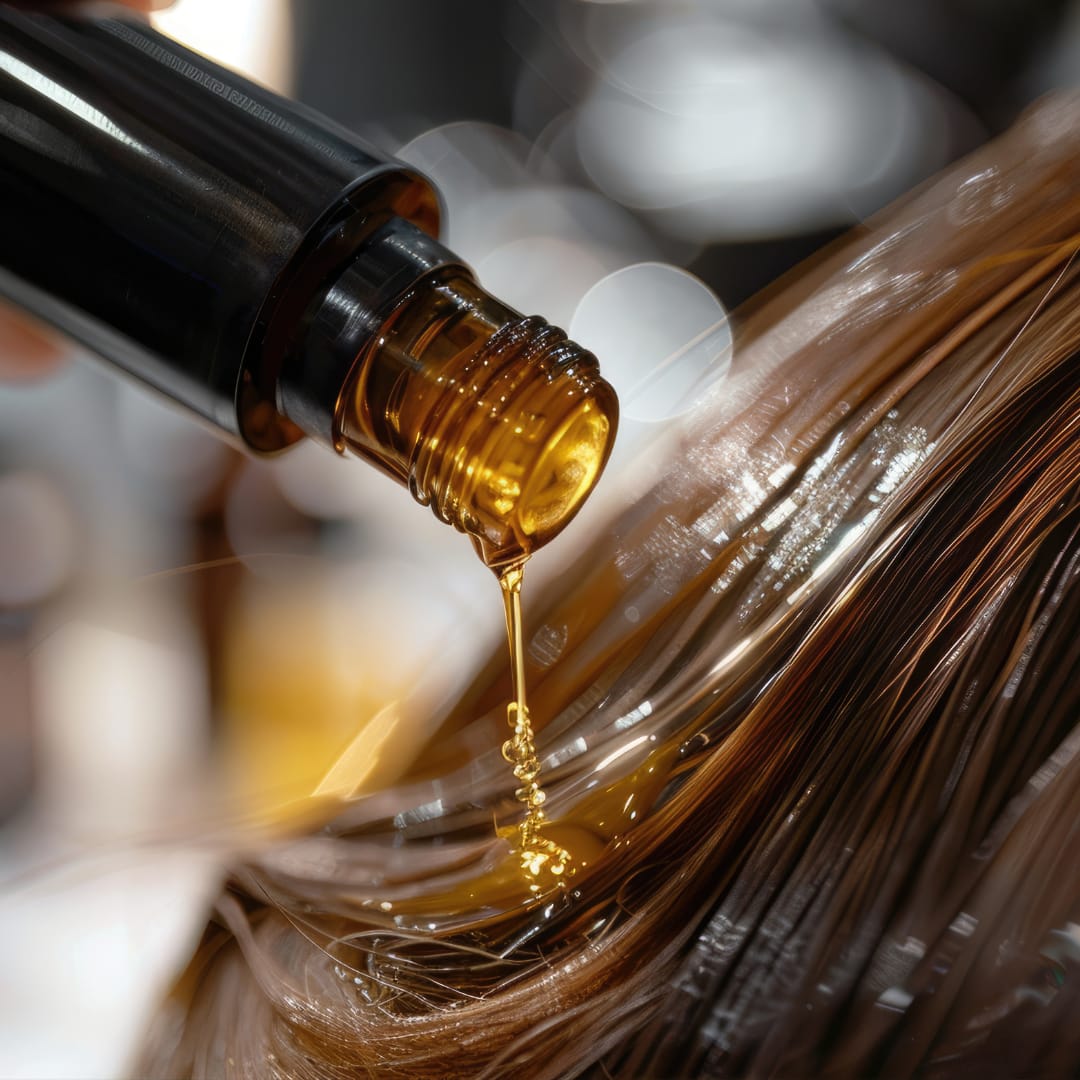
(662, 337)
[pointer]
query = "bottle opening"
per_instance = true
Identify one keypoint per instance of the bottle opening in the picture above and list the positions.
(497, 422)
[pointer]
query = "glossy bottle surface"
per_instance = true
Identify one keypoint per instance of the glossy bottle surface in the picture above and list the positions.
(158, 208)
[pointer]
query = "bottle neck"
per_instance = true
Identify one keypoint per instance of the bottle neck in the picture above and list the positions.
(497, 422)
(345, 317)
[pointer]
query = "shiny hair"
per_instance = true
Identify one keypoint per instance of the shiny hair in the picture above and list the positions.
(811, 732)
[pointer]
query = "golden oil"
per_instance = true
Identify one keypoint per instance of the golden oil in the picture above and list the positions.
(497, 422)
(502, 426)
(543, 862)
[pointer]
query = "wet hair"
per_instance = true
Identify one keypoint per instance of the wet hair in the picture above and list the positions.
(810, 714)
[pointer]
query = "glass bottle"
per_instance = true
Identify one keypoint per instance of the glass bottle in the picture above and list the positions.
(264, 268)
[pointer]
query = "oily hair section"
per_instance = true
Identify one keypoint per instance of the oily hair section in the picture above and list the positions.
(812, 717)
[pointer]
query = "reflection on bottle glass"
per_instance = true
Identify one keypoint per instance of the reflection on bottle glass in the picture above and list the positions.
(498, 422)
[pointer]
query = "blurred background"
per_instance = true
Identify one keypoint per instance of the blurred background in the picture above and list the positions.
(190, 637)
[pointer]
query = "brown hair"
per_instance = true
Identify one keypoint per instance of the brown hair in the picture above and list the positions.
(812, 723)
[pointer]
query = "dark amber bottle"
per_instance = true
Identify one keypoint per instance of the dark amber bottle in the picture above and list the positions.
(278, 277)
